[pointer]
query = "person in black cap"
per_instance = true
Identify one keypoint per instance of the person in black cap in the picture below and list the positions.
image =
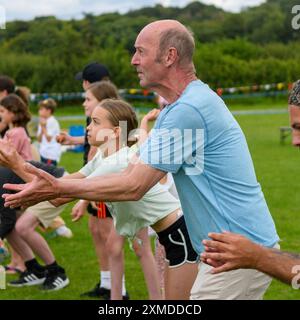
(91, 73)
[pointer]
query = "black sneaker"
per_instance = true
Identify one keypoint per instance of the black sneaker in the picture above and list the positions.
(126, 297)
(29, 278)
(97, 292)
(100, 292)
(55, 280)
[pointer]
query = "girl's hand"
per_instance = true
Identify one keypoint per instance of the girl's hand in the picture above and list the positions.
(151, 115)
(64, 138)
(95, 205)
(79, 210)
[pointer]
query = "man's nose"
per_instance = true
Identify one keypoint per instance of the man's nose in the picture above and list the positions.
(134, 60)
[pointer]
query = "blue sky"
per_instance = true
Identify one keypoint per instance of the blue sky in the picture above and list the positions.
(67, 9)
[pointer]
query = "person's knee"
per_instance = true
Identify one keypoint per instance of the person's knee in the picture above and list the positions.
(21, 228)
(115, 251)
(25, 225)
(142, 251)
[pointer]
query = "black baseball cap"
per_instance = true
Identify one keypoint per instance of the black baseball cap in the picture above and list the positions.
(92, 72)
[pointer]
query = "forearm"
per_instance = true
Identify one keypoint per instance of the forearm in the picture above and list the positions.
(144, 125)
(39, 137)
(143, 132)
(114, 187)
(77, 140)
(278, 264)
(18, 168)
(75, 175)
(60, 201)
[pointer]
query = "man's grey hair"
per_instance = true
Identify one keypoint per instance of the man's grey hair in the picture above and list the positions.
(182, 40)
(294, 96)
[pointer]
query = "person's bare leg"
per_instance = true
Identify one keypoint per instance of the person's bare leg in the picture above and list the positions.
(20, 247)
(179, 281)
(25, 227)
(115, 245)
(100, 230)
(16, 262)
(160, 259)
(144, 252)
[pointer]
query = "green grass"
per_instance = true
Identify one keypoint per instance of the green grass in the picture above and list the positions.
(277, 168)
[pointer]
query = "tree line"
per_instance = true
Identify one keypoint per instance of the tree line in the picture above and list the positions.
(255, 46)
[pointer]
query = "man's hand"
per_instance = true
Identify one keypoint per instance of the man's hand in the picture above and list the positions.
(42, 187)
(228, 251)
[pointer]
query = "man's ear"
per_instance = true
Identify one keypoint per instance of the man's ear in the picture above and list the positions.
(171, 56)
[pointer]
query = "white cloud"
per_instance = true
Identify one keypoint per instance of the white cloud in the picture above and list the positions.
(66, 9)
(233, 5)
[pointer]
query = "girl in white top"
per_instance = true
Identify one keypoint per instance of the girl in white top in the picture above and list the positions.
(157, 208)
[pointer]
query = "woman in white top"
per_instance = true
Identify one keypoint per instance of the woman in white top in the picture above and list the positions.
(158, 208)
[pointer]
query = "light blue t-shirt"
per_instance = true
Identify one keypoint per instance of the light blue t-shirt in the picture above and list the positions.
(211, 166)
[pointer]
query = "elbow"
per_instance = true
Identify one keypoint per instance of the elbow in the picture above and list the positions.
(135, 191)
(137, 195)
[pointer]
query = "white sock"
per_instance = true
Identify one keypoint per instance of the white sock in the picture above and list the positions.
(61, 230)
(123, 286)
(105, 279)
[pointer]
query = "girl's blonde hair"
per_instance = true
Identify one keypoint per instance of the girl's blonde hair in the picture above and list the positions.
(104, 90)
(120, 110)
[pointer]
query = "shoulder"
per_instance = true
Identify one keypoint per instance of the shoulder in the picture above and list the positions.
(181, 115)
(197, 103)
(52, 120)
(16, 132)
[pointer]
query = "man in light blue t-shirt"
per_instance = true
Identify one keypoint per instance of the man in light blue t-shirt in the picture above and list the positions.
(198, 140)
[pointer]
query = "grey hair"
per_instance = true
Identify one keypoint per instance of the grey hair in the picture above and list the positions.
(182, 40)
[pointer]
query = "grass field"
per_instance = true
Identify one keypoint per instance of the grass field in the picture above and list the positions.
(277, 168)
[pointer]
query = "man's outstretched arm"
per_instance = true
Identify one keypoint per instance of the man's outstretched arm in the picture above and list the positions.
(228, 251)
(131, 184)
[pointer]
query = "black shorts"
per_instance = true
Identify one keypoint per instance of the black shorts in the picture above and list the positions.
(7, 222)
(177, 244)
(93, 212)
